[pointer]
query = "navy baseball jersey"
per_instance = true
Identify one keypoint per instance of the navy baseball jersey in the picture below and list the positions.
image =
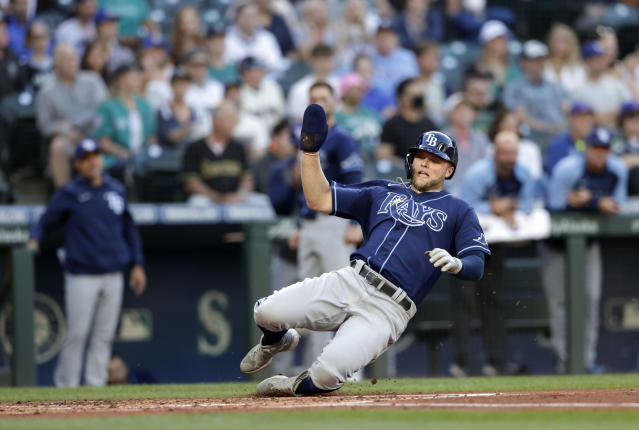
(386, 210)
(340, 160)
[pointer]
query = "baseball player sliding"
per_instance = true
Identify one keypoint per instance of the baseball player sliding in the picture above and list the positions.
(411, 234)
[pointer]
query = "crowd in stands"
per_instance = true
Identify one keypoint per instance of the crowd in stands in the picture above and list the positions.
(201, 101)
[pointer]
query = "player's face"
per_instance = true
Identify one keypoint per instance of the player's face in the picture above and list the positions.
(429, 172)
(90, 166)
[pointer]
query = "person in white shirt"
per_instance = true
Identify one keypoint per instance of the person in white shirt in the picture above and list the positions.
(78, 31)
(245, 38)
(322, 65)
(204, 94)
(260, 96)
(563, 65)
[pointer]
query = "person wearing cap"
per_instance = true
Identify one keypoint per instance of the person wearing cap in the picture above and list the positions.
(66, 110)
(392, 63)
(177, 120)
(246, 38)
(580, 123)
(219, 69)
(157, 69)
(106, 25)
(472, 144)
(594, 181)
(538, 103)
(602, 90)
(627, 146)
(127, 123)
(494, 57)
(79, 30)
(260, 96)
(501, 186)
(101, 243)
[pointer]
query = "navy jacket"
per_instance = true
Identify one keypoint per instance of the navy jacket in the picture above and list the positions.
(100, 234)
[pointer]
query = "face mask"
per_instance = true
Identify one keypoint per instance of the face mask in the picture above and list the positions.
(418, 102)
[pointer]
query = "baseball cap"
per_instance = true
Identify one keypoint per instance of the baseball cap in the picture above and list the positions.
(249, 63)
(452, 102)
(153, 41)
(350, 80)
(180, 74)
(190, 54)
(534, 49)
(386, 25)
(121, 70)
(629, 108)
(591, 49)
(86, 146)
(580, 107)
(599, 138)
(215, 30)
(104, 15)
(492, 29)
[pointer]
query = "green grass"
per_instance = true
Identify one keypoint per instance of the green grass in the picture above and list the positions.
(352, 419)
(430, 385)
(346, 419)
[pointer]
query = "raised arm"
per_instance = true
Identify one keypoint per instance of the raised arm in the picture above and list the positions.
(317, 190)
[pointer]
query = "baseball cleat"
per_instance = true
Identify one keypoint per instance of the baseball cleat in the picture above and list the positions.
(260, 356)
(280, 385)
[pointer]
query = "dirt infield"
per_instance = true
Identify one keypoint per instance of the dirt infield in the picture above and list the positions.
(627, 399)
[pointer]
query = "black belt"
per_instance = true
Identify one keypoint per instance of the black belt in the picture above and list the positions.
(380, 283)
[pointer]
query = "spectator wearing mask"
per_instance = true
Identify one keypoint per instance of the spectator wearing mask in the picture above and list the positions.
(79, 30)
(627, 146)
(402, 130)
(215, 169)
(593, 182)
(39, 66)
(66, 110)
(602, 90)
(500, 186)
(580, 124)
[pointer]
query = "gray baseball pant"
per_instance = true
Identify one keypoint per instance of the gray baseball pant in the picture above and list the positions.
(92, 304)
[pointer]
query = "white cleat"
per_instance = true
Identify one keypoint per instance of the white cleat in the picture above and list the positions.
(260, 356)
(280, 385)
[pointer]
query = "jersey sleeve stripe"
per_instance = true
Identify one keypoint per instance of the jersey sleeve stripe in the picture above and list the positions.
(334, 198)
(483, 248)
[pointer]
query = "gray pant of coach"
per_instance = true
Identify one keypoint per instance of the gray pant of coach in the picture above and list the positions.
(92, 305)
(554, 280)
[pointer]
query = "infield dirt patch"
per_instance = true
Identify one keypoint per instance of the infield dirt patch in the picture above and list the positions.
(540, 400)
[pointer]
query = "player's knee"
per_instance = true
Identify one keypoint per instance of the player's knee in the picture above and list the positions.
(326, 377)
(266, 313)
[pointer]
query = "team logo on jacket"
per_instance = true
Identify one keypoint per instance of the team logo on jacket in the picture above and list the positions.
(115, 202)
(413, 214)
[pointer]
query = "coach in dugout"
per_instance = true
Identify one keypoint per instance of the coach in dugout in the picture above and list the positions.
(101, 241)
(596, 182)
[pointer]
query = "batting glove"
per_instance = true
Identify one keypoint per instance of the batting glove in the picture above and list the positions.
(441, 258)
(314, 128)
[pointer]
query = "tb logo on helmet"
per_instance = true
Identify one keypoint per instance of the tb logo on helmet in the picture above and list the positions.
(431, 139)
